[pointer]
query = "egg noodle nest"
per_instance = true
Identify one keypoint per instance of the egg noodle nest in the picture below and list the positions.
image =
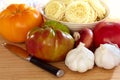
(76, 11)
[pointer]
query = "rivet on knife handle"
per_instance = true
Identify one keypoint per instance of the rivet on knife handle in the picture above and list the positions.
(25, 55)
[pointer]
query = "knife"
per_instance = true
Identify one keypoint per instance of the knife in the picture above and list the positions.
(40, 63)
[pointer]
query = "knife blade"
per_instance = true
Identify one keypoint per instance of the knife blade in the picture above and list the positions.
(40, 63)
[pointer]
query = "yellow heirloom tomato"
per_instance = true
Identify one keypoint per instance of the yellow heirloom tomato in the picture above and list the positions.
(16, 20)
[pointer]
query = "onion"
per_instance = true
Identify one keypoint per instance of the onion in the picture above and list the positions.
(85, 35)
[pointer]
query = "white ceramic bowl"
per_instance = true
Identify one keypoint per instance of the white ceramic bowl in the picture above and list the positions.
(75, 26)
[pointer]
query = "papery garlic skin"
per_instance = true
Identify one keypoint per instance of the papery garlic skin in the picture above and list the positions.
(80, 59)
(107, 56)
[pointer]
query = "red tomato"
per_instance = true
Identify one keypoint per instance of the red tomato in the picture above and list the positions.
(107, 32)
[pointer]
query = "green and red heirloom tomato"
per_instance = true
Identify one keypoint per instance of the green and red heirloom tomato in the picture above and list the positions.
(49, 44)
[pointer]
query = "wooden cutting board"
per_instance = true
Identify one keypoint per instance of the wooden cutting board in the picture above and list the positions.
(15, 68)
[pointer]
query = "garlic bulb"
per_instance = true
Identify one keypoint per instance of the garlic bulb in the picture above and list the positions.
(107, 56)
(80, 59)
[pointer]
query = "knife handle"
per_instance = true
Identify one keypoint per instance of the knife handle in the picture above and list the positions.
(52, 69)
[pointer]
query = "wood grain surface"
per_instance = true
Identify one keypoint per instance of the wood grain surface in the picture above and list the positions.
(15, 68)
